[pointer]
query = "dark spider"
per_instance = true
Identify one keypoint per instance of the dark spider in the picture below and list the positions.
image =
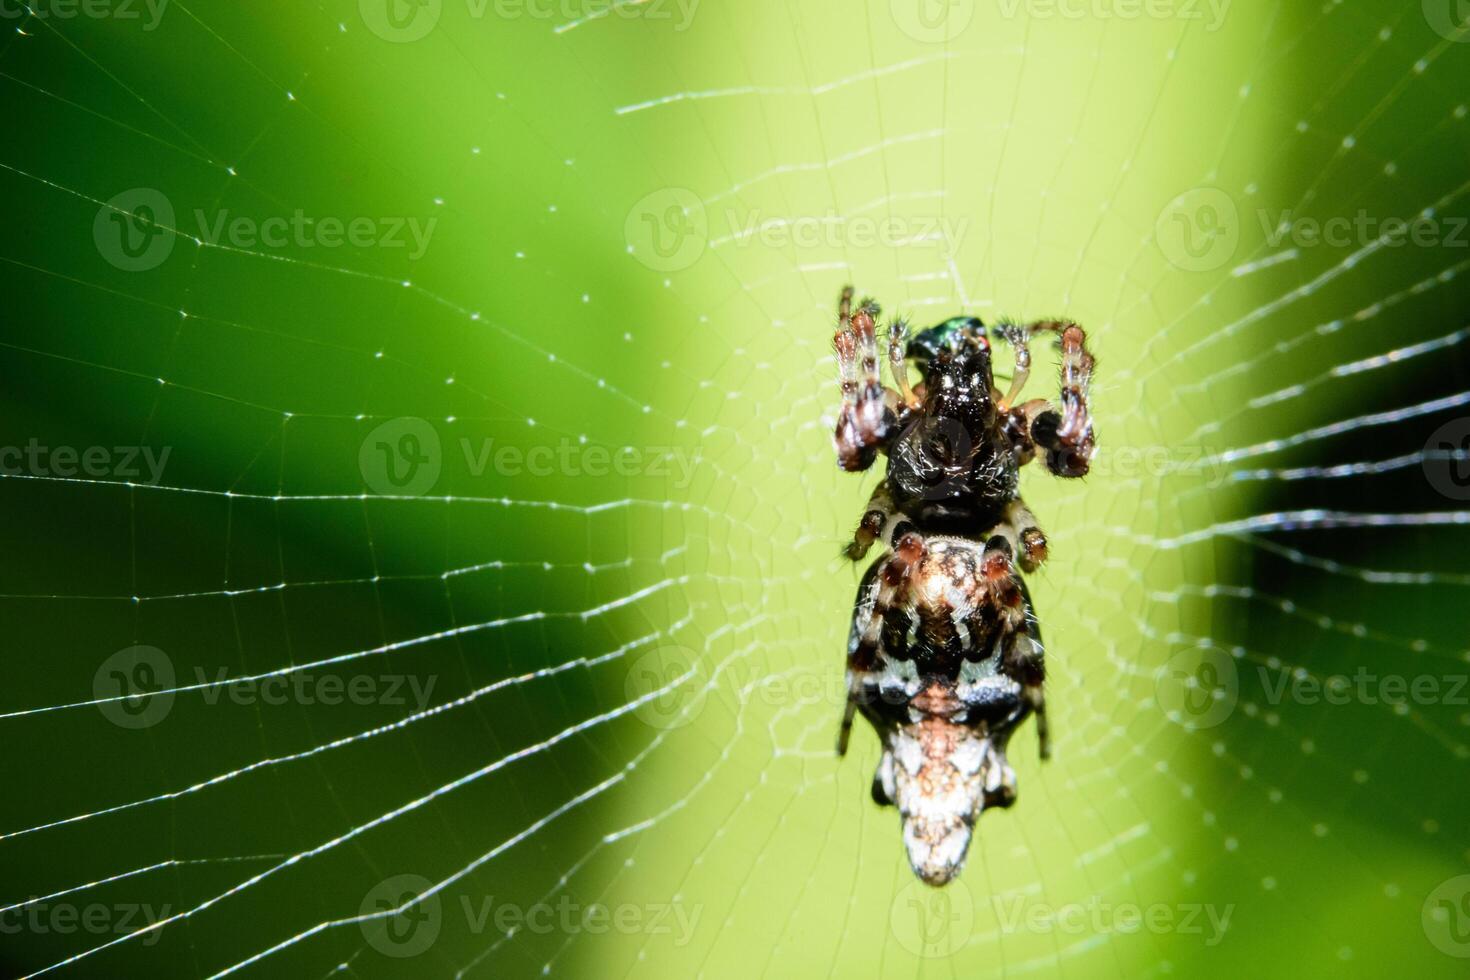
(945, 657)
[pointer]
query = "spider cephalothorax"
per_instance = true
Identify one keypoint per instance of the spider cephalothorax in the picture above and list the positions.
(945, 655)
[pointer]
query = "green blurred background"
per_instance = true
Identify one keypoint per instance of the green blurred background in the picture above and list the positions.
(552, 484)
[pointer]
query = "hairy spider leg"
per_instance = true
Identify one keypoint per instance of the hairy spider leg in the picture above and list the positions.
(898, 342)
(1065, 433)
(1017, 338)
(861, 421)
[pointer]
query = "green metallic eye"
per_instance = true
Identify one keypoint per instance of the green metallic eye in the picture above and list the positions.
(946, 336)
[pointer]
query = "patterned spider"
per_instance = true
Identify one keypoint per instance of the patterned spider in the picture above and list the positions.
(945, 656)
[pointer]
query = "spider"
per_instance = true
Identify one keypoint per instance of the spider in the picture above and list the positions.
(944, 657)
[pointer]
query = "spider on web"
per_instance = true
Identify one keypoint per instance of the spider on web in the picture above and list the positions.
(945, 658)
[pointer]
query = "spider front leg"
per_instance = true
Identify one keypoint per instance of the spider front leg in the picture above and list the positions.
(1064, 434)
(863, 419)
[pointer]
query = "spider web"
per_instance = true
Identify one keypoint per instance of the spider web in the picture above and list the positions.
(615, 690)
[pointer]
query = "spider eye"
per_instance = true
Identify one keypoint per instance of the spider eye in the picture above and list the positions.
(948, 336)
